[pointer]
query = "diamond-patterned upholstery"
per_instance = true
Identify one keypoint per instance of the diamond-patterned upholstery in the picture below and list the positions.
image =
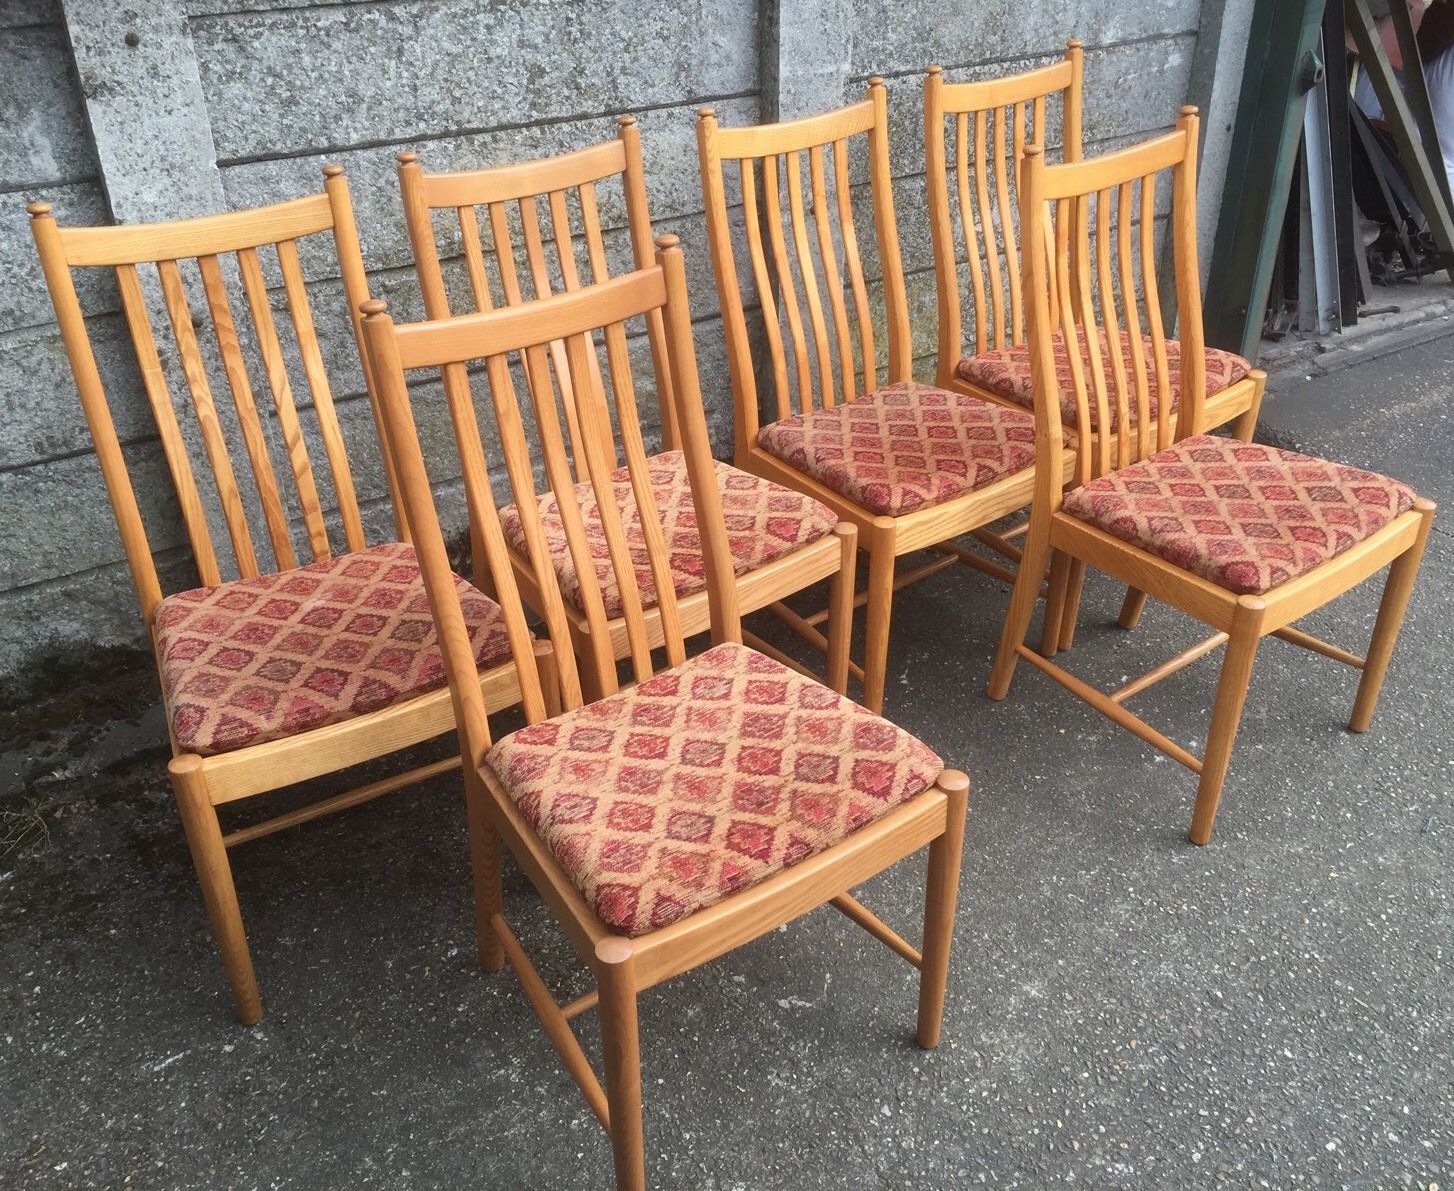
(1244, 516)
(262, 659)
(1006, 372)
(905, 446)
(765, 521)
(702, 781)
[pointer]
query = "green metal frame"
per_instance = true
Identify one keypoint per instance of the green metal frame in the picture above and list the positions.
(1281, 67)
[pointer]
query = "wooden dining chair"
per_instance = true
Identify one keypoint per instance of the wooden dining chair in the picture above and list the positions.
(984, 203)
(284, 664)
(701, 806)
(781, 540)
(1246, 538)
(912, 466)
(986, 125)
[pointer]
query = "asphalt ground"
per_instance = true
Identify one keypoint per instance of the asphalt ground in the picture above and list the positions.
(1125, 1009)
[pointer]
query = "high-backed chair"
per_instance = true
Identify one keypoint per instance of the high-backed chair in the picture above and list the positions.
(780, 540)
(675, 819)
(1005, 114)
(1246, 538)
(912, 466)
(285, 664)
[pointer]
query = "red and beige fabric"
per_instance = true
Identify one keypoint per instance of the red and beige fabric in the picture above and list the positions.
(702, 781)
(1244, 516)
(267, 658)
(1007, 372)
(765, 521)
(905, 446)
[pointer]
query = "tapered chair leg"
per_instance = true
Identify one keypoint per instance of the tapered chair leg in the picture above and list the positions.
(1054, 602)
(1396, 591)
(592, 687)
(1022, 608)
(480, 571)
(214, 874)
(1245, 424)
(485, 871)
(880, 611)
(1131, 608)
(941, 892)
(549, 670)
(1074, 585)
(1244, 637)
(616, 980)
(840, 607)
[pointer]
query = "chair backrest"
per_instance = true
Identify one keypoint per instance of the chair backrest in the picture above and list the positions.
(1005, 115)
(591, 322)
(1095, 288)
(203, 246)
(560, 254)
(824, 350)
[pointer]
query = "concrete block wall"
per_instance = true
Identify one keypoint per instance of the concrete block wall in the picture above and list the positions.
(239, 102)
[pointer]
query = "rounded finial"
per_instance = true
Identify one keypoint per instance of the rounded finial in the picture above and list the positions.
(1189, 109)
(936, 69)
(333, 170)
(1034, 150)
(36, 210)
(876, 80)
(370, 307)
(626, 120)
(614, 949)
(706, 113)
(667, 241)
(952, 779)
(1075, 43)
(406, 157)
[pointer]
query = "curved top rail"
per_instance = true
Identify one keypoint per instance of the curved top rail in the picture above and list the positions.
(206, 235)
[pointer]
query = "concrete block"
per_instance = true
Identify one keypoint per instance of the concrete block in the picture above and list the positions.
(38, 399)
(69, 619)
(138, 73)
(24, 300)
(807, 54)
(77, 531)
(17, 14)
(479, 67)
(890, 38)
(43, 136)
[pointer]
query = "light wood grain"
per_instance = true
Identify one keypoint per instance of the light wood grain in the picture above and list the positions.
(1099, 277)
(208, 341)
(623, 968)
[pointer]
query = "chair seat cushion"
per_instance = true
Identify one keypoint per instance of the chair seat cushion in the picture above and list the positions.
(1243, 516)
(702, 781)
(267, 658)
(1007, 373)
(905, 446)
(765, 521)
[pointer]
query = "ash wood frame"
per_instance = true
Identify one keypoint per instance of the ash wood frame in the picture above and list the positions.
(1240, 621)
(548, 180)
(885, 538)
(625, 967)
(988, 180)
(983, 186)
(202, 784)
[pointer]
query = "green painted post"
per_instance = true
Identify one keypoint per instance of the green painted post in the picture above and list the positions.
(1281, 67)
